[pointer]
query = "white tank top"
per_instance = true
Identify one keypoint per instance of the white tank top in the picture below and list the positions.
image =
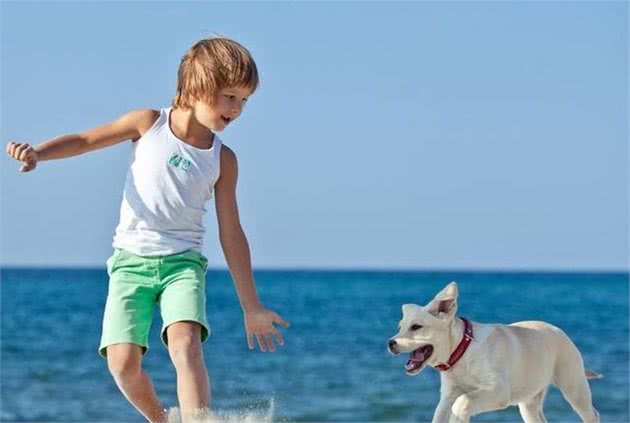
(168, 185)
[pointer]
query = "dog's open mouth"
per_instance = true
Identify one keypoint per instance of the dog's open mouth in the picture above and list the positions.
(417, 358)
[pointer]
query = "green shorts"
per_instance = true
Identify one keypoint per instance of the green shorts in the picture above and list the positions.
(137, 284)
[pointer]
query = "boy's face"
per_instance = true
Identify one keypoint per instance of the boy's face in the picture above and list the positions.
(228, 105)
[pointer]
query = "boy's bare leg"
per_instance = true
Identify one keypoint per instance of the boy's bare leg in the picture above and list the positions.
(124, 363)
(193, 385)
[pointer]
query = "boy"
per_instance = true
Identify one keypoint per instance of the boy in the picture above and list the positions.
(177, 164)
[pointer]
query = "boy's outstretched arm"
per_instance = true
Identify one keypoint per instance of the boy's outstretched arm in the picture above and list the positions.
(259, 322)
(129, 126)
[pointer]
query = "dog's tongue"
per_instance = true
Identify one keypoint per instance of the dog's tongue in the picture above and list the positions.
(415, 358)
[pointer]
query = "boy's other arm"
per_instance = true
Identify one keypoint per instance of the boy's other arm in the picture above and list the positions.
(258, 320)
(129, 126)
(231, 234)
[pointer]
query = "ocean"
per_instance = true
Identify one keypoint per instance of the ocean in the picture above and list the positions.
(334, 365)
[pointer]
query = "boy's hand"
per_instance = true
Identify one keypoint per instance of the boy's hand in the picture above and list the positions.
(24, 153)
(259, 323)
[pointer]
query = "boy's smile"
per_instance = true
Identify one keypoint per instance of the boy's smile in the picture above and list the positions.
(227, 107)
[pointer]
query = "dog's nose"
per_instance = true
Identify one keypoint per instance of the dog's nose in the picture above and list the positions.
(391, 343)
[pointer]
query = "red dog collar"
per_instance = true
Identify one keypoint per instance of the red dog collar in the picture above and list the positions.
(461, 348)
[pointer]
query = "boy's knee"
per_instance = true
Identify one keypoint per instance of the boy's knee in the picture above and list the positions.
(123, 369)
(184, 346)
(123, 363)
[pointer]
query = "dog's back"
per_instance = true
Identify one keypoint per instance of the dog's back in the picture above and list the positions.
(552, 340)
(517, 351)
(542, 354)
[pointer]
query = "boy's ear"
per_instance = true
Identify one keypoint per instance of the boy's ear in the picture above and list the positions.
(444, 304)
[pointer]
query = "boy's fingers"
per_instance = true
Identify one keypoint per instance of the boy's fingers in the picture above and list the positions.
(270, 344)
(261, 343)
(11, 148)
(20, 150)
(279, 320)
(17, 150)
(250, 341)
(277, 335)
(27, 154)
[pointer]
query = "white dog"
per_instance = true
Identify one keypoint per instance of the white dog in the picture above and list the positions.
(486, 367)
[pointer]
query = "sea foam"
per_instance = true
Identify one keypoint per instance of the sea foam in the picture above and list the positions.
(247, 415)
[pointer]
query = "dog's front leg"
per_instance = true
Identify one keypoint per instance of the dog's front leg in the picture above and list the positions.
(478, 401)
(448, 395)
(442, 412)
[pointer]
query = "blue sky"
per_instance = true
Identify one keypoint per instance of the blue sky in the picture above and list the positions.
(415, 135)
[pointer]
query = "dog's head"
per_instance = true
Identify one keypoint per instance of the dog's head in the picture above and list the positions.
(424, 330)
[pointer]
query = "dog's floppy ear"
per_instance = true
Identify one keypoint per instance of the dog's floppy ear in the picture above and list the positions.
(444, 305)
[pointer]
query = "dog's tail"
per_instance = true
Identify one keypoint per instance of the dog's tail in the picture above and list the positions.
(593, 375)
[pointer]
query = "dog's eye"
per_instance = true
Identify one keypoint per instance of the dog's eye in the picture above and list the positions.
(415, 327)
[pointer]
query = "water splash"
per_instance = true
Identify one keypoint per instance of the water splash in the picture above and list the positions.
(248, 415)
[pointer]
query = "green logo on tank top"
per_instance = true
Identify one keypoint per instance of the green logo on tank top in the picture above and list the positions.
(178, 161)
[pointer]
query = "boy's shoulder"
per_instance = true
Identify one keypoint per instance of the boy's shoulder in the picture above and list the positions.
(138, 121)
(145, 118)
(227, 153)
(228, 160)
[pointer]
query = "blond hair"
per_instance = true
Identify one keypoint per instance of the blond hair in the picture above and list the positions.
(210, 65)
